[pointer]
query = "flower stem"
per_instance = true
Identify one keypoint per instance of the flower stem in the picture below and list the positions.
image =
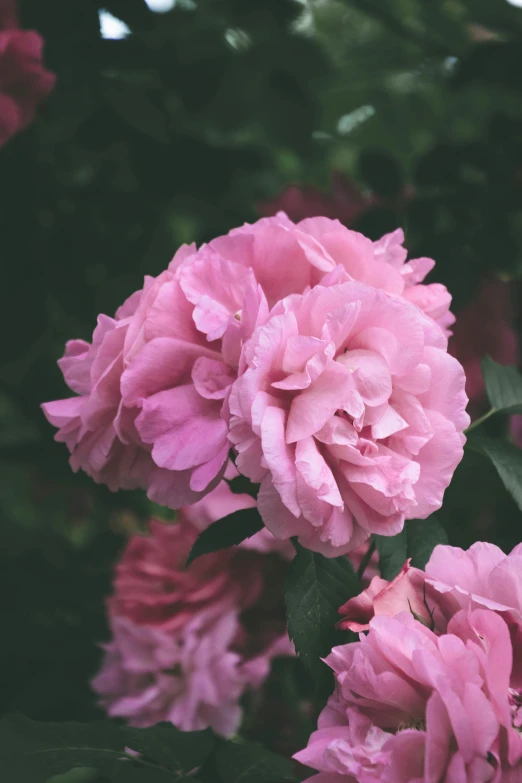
(480, 420)
(366, 559)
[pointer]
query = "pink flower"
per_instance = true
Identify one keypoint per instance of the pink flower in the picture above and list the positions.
(189, 640)
(150, 351)
(345, 753)
(153, 587)
(446, 702)
(406, 592)
(24, 82)
(482, 576)
(191, 678)
(350, 413)
(153, 386)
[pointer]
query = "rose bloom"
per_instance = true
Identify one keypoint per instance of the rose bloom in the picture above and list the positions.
(350, 413)
(153, 586)
(189, 640)
(153, 386)
(454, 579)
(412, 705)
(24, 82)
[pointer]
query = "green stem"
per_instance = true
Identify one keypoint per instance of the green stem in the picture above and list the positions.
(366, 559)
(480, 421)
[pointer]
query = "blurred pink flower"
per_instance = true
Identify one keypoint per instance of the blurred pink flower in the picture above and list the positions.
(188, 640)
(153, 587)
(351, 415)
(191, 678)
(153, 386)
(344, 201)
(446, 702)
(484, 328)
(24, 82)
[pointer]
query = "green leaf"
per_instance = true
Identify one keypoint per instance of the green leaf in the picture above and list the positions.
(32, 752)
(246, 763)
(507, 459)
(180, 751)
(503, 386)
(423, 535)
(417, 541)
(226, 532)
(134, 105)
(316, 587)
(240, 485)
(393, 553)
(77, 775)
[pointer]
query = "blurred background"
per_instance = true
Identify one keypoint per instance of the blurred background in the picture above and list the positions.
(173, 121)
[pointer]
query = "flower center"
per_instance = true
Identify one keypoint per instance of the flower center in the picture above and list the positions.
(417, 724)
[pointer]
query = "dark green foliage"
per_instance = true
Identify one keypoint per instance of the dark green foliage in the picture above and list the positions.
(32, 752)
(246, 763)
(316, 587)
(507, 460)
(503, 386)
(417, 541)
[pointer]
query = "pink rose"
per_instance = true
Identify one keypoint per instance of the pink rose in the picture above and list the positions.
(350, 413)
(24, 82)
(406, 591)
(189, 640)
(454, 579)
(153, 587)
(345, 753)
(150, 351)
(191, 678)
(154, 383)
(446, 701)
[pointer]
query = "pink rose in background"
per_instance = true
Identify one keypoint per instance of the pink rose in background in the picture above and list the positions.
(344, 202)
(350, 413)
(192, 679)
(153, 587)
(153, 386)
(484, 328)
(189, 640)
(411, 705)
(24, 82)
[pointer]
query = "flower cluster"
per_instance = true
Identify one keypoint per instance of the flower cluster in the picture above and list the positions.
(318, 355)
(433, 691)
(187, 642)
(24, 82)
